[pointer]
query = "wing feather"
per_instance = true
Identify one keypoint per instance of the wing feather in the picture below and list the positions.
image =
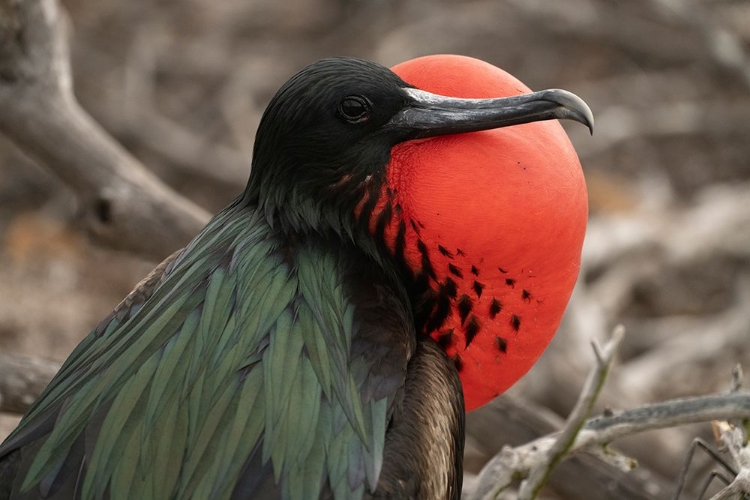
(240, 362)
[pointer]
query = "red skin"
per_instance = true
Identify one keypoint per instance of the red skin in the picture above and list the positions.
(513, 200)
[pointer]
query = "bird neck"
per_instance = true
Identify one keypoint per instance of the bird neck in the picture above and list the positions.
(328, 204)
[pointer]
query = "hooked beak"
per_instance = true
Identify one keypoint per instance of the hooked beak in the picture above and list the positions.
(429, 115)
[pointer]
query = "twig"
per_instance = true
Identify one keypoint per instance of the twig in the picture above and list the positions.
(735, 440)
(539, 470)
(124, 205)
(598, 473)
(665, 414)
(737, 376)
(513, 463)
(699, 444)
(582, 409)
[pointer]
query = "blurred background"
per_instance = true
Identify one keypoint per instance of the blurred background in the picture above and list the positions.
(182, 85)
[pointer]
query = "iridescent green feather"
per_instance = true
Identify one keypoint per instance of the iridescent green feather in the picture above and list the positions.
(236, 345)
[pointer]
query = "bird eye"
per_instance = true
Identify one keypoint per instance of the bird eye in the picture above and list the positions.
(355, 109)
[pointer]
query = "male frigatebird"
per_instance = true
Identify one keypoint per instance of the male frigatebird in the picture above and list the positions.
(313, 339)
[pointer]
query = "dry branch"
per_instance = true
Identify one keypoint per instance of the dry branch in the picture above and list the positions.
(594, 383)
(22, 379)
(512, 463)
(513, 421)
(123, 204)
(539, 471)
(735, 440)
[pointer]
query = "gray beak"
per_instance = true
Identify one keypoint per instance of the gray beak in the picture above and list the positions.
(429, 115)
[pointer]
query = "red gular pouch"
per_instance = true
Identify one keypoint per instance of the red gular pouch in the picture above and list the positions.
(499, 216)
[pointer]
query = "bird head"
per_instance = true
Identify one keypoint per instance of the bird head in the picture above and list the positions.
(323, 140)
(481, 211)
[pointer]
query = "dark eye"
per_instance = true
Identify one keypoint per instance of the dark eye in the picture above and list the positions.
(355, 109)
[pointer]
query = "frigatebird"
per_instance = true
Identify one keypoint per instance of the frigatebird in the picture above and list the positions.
(390, 254)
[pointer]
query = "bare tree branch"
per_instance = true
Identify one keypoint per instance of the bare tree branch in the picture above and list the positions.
(22, 379)
(512, 463)
(735, 440)
(124, 205)
(539, 471)
(591, 389)
(512, 421)
(665, 414)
